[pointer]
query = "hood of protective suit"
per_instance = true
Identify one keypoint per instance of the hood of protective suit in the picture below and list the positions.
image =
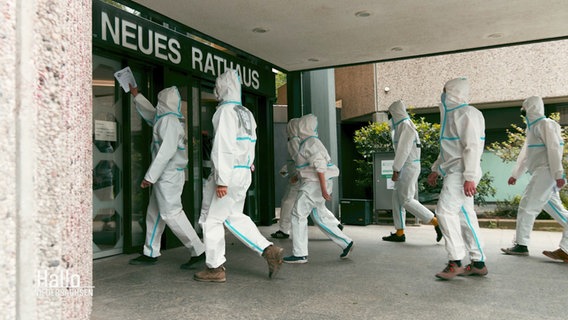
(293, 127)
(228, 87)
(457, 93)
(308, 126)
(169, 102)
(534, 106)
(398, 111)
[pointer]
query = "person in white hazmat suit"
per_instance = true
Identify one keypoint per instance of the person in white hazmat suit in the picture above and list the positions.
(406, 170)
(462, 139)
(541, 156)
(226, 188)
(316, 171)
(166, 176)
(291, 192)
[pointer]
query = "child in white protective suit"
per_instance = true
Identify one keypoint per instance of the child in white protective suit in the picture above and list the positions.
(293, 186)
(406, 170)
(166, 176)
(226, 188)
(541, 155)
(316, 171)
(462, 139)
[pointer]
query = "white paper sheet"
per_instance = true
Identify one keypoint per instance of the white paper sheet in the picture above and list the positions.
(124, 77)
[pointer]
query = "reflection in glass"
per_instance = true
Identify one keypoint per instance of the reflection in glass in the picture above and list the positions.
(106, 228)
(106, 180)
(107, 159)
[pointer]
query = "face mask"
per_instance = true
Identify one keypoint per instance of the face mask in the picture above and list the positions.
(524, 113)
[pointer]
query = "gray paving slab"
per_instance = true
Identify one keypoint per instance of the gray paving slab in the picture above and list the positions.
(381, 280)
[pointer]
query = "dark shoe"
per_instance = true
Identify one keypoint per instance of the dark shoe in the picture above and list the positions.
(471, 270)
(280, 235)
(273, 256)
(346, 251)
(143, 260)
(295, 260)
(558, 254)
(394, 238)
(439, 234)
(516, 250)
(211, 275)
(450, 271)
(340, 226)
(192, 261)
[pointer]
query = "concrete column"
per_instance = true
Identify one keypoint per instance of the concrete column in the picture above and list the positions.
(45, 194)
(319, 99)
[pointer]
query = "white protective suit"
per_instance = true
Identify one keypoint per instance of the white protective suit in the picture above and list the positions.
(232, 157)
(289, 171)
(166, 173)
(312, 158)
(462, 139)
(407, 162)
(541, 156)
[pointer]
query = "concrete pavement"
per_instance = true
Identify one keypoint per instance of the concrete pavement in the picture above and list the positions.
(381, 280)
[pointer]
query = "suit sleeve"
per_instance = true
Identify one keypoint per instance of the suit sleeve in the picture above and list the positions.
(404, 146)
(145, 109)
(224, 144)
(521, 164)
(471, 131)
(169, 135)
(554, 148)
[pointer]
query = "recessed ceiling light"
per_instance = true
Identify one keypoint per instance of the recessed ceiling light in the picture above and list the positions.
(313, 60)
(396, 49)
(362, 14)
(260, 30)
(495, 35)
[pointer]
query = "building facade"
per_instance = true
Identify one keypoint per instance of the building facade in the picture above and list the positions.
(500, 79)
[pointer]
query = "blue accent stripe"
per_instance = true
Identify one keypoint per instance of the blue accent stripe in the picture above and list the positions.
(153, 234)
(320, 222)
(230, 101)
(241, 167)
(558, 212)
(401, 218)
(474, 234)
(180, 148)
(180, 169)
(240, 235)
(449, 138)
(530, 124)
(246, 138)
(303, 165)
(483, 138)
(536, 145)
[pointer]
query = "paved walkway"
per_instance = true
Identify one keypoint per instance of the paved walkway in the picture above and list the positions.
(381, 281)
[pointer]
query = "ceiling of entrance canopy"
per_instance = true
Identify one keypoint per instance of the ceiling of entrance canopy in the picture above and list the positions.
(311, 34)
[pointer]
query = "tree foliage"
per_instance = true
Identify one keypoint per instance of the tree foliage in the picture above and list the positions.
(376, 137)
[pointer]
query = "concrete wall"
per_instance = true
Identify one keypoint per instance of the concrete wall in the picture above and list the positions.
(354, 87)
(45, 205)
(496, 75)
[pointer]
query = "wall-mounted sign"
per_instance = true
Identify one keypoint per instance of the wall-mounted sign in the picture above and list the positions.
(105, 130)
(124, 31)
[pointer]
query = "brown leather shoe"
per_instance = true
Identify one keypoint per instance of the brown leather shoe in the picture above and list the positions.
(450, 271)
(211, 275)
(273, 256)
(558, 254)
(471, 270)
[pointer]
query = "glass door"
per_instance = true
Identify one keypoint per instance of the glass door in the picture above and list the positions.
(108, 191)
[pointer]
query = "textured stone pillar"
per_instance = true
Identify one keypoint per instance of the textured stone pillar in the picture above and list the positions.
(45, 163)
